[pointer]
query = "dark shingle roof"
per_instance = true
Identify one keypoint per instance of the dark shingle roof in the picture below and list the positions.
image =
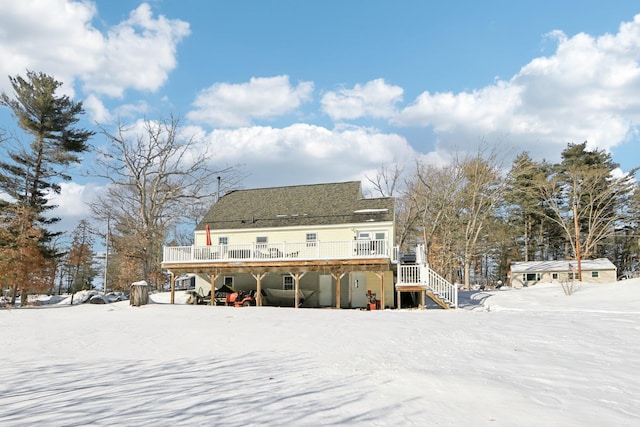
(319, 204)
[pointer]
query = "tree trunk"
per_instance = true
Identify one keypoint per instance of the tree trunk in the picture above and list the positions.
(14, 293)
(467, 270)
(139, 294)
(24, 294)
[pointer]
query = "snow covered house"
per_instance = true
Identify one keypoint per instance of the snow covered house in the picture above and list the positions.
(599, 270)
(322, 245)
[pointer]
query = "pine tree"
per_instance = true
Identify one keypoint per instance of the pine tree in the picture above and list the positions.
(81, 257)
(31, 172)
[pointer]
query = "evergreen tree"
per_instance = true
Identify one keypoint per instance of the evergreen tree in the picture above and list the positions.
(583, 186)
(30, 172)
(600, 197)
(538, 237)
(81, 258)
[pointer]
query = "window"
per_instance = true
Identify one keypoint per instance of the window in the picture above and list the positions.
(595, 274)
(364, 235)
(570, 276)
(228, 281)
(554, 276)
(223, 240)
(363, 243)
(531, 277)
(261, 242)
(312, 239)
(287, 283)
(379, 243)
(371, 242)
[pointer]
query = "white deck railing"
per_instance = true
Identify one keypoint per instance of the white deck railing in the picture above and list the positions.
(441, 287)
(319, 250)
(422, 275)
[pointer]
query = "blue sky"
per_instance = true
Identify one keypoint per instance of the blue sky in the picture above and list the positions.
(318, 91)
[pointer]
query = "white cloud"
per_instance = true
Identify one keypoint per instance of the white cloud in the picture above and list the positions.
(581, 92)
(375, 98)
(138, 53)
(71, 200)
(72, 203)
(303, 153)
(96, 109)
(228, 105)
(47, 35)
(57, 37)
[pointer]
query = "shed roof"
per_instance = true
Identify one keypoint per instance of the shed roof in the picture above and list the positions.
(300, 205)
(599, 264)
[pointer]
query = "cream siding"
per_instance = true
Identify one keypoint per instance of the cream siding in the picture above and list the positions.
(339, 233)
(543, 272)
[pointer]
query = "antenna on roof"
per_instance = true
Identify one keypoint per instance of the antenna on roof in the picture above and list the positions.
(218, 193)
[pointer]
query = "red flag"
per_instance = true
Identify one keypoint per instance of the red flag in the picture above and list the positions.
(208, 234)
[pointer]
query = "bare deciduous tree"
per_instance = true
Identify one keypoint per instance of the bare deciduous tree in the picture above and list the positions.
(482, 190)
(155, 174)
(452, 204)
(386, 181)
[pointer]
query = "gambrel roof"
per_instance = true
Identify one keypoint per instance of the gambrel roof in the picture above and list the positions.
(300, 205)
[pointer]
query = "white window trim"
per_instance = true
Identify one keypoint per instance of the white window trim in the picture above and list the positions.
(286, 285)
(311, 242)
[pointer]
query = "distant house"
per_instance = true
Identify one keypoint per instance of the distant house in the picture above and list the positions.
(321, 245)
(599, 270)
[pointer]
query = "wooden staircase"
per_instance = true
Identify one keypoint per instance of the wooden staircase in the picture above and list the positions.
(435, 298)
(418, 277)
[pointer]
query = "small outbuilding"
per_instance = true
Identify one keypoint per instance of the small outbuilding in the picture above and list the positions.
(599, 270)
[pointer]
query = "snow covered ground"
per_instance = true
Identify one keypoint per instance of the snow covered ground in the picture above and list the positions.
(528, 357)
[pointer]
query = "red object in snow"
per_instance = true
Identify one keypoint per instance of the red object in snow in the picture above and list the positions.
(373, 303)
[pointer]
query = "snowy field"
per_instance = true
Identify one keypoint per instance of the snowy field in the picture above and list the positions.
(529, 357)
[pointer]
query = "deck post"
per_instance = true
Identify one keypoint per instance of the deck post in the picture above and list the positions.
(213, 289)
(381, 277)
(172, 280)
(259, 278)
(296, 280)
(338, 277)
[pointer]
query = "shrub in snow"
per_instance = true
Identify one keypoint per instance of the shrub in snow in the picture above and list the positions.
(568, 287)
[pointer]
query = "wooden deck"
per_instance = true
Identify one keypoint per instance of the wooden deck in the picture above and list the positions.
(280, 266)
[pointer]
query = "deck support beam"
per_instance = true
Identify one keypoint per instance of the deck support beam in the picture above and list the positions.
(172, 280)
(381, 277)
(296, 285)
(258, 277)
(338, 277)
(214, 277)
